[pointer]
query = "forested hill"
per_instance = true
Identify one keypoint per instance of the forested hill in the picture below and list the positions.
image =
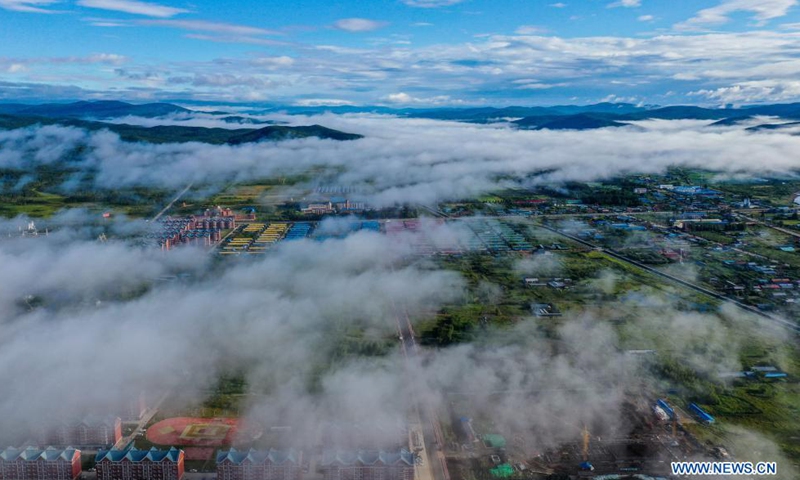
(182, 134)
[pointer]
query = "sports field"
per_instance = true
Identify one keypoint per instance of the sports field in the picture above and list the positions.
(194, 432)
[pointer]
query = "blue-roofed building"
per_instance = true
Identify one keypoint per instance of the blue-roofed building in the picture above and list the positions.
(368, 465)
(701, 414)
(661, 403)
(298, 231)
(371, 225)
(40, 464)
(135, 464)
(253, 464)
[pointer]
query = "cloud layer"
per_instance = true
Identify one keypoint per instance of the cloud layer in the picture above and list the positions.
(408, 160)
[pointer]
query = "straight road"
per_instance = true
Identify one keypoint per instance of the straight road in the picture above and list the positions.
(765, 224)
(170, 204)
(148, 415)
(711, 293)
(434, 464)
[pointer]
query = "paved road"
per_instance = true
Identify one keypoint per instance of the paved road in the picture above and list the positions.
(768, 225)
(434, 466)
(438, 213)
(148, 415)
(170, 204)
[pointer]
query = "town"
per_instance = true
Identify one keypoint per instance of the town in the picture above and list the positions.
(702, 247)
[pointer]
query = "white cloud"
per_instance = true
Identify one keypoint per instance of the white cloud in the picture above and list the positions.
(235, 39)
(411, 160)
(431, 3)
(558, 5)
(107, 24)
(762, 11)
(134, 7)
(109, 58)
(16, 68)
(530, 30)
(358, 25)
(625, 4)
(273, 62)
(322, 102)
(30, 6)
(753, 92)
(205, 26)
(646, 18)
(51, 63)
(367, 74)
(540, 86)
(402, 98)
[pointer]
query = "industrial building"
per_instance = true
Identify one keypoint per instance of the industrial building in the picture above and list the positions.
(259, 465)
(134, 464)
(91, 431)
(368, 465)
(37, 464)
(701, 414)
(318, 208)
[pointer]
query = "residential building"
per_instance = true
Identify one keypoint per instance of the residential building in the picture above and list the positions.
(135, 464)
(368, 465)
(259, 465)
(91, 431)
(40, 464)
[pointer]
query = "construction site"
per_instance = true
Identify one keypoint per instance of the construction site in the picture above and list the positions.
(651, 434)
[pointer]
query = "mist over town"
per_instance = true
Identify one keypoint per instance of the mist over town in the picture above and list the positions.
(399, 240)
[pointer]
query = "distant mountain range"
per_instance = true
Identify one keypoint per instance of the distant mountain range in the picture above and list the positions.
(572, 117)
(76, 114)
(562, 117)
(99, 110)
(609, 115)
(581, 121)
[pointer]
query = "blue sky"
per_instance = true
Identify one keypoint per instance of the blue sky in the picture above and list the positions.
(402, 52)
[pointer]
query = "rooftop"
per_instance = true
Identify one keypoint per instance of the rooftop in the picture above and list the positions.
(135, 455)
(367, 457)
(272, 455)
(31, 454)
